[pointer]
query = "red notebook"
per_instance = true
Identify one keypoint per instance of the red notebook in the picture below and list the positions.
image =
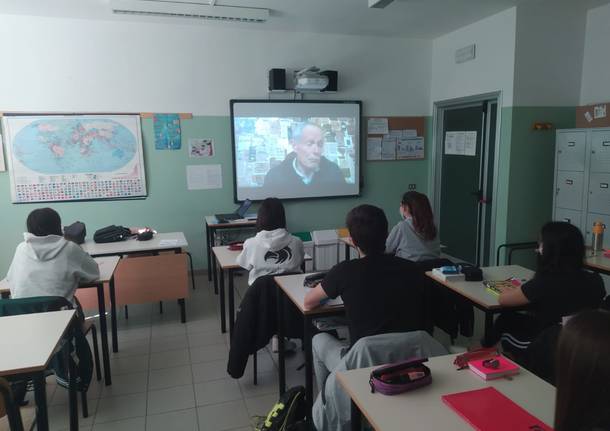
(488, 410)
(505, 368)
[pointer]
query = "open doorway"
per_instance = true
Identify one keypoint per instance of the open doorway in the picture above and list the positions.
(464, 172)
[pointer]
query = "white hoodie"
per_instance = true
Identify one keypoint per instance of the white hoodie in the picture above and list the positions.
(49, 266)
(271, 252)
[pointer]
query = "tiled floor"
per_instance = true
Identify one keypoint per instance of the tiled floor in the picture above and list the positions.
(172, 376)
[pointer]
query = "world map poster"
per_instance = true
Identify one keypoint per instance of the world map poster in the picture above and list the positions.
(74, 157)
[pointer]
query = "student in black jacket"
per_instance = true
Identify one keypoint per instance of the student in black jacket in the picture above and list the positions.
(561, 287)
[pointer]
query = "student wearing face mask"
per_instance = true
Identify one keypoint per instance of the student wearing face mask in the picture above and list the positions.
(415, 237)
(560, 288)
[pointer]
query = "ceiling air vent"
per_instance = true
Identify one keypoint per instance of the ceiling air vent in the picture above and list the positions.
(189, 10)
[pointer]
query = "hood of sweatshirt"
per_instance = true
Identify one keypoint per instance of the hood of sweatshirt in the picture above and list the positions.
(43, 248)
(274, 239)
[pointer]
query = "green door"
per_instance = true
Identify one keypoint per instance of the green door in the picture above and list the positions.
(462, 196)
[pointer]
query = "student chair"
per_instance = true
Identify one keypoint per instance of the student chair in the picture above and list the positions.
(41, 304)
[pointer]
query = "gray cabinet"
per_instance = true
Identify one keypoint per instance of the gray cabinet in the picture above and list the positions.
(582, 178)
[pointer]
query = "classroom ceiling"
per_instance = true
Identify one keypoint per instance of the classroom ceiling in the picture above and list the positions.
(401, 18)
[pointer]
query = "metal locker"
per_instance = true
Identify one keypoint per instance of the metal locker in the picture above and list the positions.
(571, 151)
(600, 151)
(605, 219)
(570, 216)
(569, 190)
(599, 193)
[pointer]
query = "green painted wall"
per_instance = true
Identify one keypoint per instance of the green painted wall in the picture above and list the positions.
(171, 207)
(532, 156)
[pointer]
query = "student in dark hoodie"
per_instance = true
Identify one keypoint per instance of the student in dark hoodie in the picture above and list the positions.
(46, 264)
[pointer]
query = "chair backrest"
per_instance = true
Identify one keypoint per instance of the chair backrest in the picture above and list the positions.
(34, 304)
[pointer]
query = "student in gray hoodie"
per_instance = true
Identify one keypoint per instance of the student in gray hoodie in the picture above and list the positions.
(415, 237)
(46, 264)
(273, 250)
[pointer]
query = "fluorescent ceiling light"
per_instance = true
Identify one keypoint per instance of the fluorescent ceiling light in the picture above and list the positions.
(189, 10)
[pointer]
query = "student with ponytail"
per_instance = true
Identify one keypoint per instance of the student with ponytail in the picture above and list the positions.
(415, 237)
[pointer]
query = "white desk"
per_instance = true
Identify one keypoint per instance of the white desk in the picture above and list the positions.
(598, 262)
(476, 293)
(28, 343)
(292, 287)
(226, 260)
(211, 226)
(160, 242)
(423, 408)
(168, 241)
(106, 265)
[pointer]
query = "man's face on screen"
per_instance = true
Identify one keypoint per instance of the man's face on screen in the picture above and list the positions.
(309, 148)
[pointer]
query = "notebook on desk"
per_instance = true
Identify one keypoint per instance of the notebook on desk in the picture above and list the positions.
(489, 410)
(239, 214)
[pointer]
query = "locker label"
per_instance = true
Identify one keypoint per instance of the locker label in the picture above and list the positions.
(571, 143)
(603, 185)
(569, 182)
(606, 143)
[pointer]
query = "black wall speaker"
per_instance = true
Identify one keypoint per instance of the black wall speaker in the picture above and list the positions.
(277, 79)
(332, 79)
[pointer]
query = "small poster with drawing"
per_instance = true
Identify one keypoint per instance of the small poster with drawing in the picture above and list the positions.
(200, 148)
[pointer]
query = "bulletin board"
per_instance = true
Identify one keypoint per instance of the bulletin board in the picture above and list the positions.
(403, 139)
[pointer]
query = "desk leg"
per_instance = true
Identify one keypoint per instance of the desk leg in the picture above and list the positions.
(281, 358)
(223, 320)
(182, 305)
(348, 253)
(40, 397)
(489, 324)
(104, 333)
(215, 273)
(356, 417)
(113, 325)
(208, 243)
(73, 400)
(308, 369)
(192, 269)
(231, 303)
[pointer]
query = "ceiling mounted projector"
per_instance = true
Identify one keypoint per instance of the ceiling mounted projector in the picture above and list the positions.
(310, 79)
(189, 9)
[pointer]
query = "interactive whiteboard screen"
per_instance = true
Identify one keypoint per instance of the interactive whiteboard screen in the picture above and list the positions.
(295, 149)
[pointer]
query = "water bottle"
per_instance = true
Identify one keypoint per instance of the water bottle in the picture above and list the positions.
(597, 237)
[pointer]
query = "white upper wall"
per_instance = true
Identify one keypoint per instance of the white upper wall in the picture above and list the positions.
(55, 64)
(491, 70)
(549, 52)
(595, 86)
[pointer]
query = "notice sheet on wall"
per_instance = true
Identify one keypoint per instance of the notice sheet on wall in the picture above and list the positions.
(373, 148)
(461, 143)
(203, 177)
(2, 165)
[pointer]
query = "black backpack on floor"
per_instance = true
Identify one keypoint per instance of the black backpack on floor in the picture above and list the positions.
(288, 414)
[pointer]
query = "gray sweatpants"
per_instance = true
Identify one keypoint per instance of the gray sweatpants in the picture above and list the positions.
(327, 353)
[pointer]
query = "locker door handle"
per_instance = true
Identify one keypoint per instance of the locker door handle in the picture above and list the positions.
(606, 143)
(571, 143)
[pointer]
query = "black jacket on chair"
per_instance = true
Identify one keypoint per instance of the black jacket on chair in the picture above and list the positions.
(256, 323)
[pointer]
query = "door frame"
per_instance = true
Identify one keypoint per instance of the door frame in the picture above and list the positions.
(436, 154)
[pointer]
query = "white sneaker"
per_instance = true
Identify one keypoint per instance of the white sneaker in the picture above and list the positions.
(289, 345)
